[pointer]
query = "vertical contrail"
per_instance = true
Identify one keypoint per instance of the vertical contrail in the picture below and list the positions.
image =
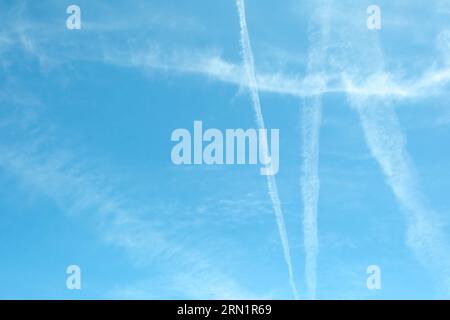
(311, 122)
(310, 184)
(271, 181)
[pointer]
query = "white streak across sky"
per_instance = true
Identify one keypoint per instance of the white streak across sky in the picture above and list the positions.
(271, 181)
(311, 122)
(387, 144)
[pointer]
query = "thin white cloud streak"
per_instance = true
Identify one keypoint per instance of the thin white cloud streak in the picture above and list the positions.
(210, 64)
(271, 181)
(41, 46)
(311, 123)
(310, 186)
(387, 144)
(432, 82)
(196, 278)
(78, 187)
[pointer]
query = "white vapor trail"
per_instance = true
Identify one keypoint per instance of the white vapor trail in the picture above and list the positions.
(311, 123)
(387, 144)
(310, 182)
(81, 187)
(271, 181)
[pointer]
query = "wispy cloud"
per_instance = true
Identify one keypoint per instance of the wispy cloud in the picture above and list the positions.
(151, 54)
(362, 77)
(271, 181)
(211, 64)
(387, 144)
(79, 187)
(311, 122)
(310, 185)
(38, 40)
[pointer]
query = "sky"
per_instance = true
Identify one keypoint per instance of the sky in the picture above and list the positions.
(86, 176)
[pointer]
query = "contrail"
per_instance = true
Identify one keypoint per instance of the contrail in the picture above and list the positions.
(271, 181)
(387, 144)
(310, 184)
(311, 122)
(77, 185)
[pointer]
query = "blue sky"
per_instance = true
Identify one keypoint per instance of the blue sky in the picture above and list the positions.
(86, 176)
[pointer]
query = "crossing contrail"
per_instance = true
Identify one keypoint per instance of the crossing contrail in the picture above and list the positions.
(271, 181)
(426, 237)
(310, 184)
(386, 142)
(311, 123)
